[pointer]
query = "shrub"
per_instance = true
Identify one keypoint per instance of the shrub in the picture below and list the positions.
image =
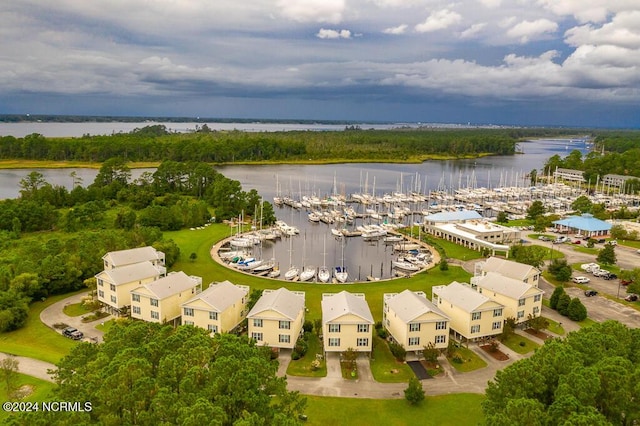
(563, 303)
(307, 326)
(414, 392)
(430, 352)
(557, 292)
(576, 310)
(398, 351)
(382, 333)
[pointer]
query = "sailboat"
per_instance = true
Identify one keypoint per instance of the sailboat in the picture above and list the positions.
(308, 272)
(340, 271)
(324, 275)
(293, 271)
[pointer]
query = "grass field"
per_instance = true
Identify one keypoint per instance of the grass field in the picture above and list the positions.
(75, 310)
(384, 366)
(40, 391)
(470, 361)
(444, 410)
(302, 366)
(514, 341)
(36, 340)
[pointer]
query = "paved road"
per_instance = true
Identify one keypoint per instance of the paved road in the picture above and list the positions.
(32, 367)
(54, 314)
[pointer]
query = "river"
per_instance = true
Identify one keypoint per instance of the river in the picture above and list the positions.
(315, 244)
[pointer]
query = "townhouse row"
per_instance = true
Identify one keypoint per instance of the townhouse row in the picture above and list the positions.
(135, 282)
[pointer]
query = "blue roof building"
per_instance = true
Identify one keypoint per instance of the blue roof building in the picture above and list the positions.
(585, 224)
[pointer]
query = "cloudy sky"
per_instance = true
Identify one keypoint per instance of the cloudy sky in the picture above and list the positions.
(529, 62)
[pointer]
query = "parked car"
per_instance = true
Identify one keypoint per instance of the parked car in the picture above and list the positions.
(581, 280)
(610, 276)
(576, 242)
(631, 297)
(613, 242)
(590, 293)
(560, 240)
(601, 241)
(638, 251)
(72, 333)
(600, 272)
(544, 238)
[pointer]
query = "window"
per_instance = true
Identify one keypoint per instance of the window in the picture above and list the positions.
(154, 302)
(213, 315)
(100, 283)
(442, 338)
(114, 299)
(441, 325)
(284, 325)
(475, 329)
(212, 328)
(257, 323)
(476, 316)
(363, 328)
(496, 325)
(188, 323)
(536, 310)
(188, 312)
(256, 336)
(362, 341)
(414, 326)
(497, 312)
(334, 341)
(101, 294)
(155, 315)
(520, 314)
(112, 287)
(521, 302)
(334, 328)
(537, 297)
(284, 338)
(135, 309)
(414, 341)
(135, 297)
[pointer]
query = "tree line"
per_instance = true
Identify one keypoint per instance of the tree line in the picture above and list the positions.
(53, 239)
(156, 143)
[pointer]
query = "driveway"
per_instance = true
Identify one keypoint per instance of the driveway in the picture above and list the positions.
(54, 315)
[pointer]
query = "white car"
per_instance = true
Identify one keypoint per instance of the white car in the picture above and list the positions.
(580, 280)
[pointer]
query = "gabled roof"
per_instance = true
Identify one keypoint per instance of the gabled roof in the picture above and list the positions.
(500, 284)
(337, 305)
(136, 255)
(410, 305)
(221, 295)
(456, 216)
(282, 301)
(508, 268)
(174, 283)
(461, 296)
(585, 222)
(130, 273)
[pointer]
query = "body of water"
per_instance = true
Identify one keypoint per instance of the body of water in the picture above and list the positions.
(315, 244)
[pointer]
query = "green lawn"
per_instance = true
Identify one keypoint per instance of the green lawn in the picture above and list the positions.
(36, 340)
(75, 310)
(453, 250)
(105, 326)
(444, 410)
(302, 366)
(555, 327)
(384, 366)
(41, 391)
(514, 342)
(470, 361)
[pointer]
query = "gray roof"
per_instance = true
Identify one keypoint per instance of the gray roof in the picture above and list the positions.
(287, 303)
(135, 255)
(221, 295)
(461, 296)
(336, 305)
(408, 306)
(130, 273)
(174, 283)
(498, 283)
(508, 268)
(459, 215)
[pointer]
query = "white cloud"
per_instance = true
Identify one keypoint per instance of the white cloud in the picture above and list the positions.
(473, 30)
(439, 20)
(623, 30)
(527, 30)
(330, 11)
(333, 34)
(584, 11)
(400, 29)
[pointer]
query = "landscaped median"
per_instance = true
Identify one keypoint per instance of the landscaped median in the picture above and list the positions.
(312, 363)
